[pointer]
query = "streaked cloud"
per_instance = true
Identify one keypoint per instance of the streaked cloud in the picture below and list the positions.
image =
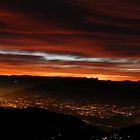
(77, 37)
(68, 57)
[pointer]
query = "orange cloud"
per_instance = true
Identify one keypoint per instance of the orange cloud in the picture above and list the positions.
(101, 38)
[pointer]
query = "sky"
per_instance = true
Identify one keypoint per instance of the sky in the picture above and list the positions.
(74, 38)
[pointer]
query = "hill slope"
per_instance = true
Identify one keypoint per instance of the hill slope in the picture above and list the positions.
(39, 124)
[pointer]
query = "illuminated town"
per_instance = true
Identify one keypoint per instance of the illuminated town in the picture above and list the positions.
(84, 111)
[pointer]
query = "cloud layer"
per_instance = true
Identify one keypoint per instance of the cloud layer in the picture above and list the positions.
(71, 38)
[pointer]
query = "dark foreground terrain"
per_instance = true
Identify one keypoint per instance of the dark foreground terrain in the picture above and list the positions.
(40, 124)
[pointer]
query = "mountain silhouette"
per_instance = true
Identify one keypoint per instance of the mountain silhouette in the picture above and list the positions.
(40, 124)
(123, 93)
(37, 124)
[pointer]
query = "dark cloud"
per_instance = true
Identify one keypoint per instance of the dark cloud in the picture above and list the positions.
(73, 15)
(89, 29)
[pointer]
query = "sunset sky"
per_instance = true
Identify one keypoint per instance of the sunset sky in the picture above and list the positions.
(80, 38)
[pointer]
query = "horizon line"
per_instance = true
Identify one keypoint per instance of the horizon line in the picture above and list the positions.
(47, 76)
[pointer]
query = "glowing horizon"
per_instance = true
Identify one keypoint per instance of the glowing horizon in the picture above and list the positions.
(97, 39)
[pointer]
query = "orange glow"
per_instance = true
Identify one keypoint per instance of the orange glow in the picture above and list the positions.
(106, 42)
(33, 71)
